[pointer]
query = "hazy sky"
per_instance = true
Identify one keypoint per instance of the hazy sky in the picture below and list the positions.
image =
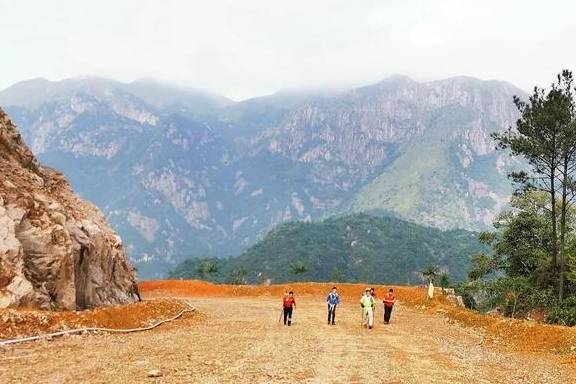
(244, 48)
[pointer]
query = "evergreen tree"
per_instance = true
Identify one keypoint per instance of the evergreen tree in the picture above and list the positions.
(566, 119)
(545, 136)
(430, 273)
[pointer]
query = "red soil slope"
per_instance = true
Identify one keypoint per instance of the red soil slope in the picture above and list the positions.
(28, 322)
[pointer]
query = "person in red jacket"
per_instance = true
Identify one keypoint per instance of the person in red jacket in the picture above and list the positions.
(289, 304)
(389, 300)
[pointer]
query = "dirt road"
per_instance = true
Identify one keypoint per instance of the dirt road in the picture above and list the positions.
(239, 340)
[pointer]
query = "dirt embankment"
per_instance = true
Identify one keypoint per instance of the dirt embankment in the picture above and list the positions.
(348, 292)
(29, 322)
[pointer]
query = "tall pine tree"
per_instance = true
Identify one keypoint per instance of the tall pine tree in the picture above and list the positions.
(545, 136)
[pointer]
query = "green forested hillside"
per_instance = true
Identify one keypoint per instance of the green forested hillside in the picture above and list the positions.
(350, 248)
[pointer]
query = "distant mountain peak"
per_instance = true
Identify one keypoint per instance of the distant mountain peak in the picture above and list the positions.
(34, 92)
(397, 78)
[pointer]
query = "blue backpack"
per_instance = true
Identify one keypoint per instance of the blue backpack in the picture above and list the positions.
(333, 298)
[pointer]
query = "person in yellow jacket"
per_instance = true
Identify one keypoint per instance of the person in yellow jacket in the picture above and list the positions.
(367, 303)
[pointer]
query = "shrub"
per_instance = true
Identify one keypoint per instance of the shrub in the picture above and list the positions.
(516, 296)
(564, 314)
(237, 276)
(474, 295)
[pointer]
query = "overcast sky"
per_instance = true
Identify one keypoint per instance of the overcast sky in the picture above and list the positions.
(244, 48)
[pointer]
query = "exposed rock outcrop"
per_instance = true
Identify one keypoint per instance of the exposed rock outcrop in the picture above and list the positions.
(56, 251)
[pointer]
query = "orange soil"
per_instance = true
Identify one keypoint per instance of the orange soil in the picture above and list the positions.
(28, 322)
(521, 335)
(250, 346)
(191, 288)
(428, 341)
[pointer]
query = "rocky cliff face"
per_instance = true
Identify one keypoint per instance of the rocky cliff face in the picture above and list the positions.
(56, 251)
(421, 151)
(356, 127)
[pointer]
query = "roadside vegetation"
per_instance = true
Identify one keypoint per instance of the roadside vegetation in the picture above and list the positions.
(531, 266)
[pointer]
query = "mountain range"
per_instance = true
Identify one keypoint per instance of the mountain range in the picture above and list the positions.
(183, 173)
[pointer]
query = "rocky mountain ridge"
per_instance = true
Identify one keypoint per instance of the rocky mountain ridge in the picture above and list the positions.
(182, 174)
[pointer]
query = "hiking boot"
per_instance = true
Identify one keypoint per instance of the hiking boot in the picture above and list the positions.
(333, 323)
(369, 327)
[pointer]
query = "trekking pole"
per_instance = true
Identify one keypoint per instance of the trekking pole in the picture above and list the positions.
(280, 318)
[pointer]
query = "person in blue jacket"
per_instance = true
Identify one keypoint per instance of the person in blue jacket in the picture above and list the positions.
(332, 300)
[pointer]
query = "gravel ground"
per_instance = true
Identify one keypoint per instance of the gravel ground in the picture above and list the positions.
(239, 340)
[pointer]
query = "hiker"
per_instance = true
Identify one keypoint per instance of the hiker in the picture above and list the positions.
(332, 300)
(367, 304)
(389, 300)
(289, 304)
(373, 294)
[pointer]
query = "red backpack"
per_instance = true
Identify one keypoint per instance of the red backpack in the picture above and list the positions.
(389, 299)
(289, 302)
